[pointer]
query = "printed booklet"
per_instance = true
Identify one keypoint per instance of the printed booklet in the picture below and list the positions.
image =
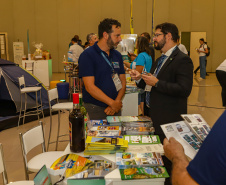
(197, 125)
(129, 173)
(139, 159)
(142, 139)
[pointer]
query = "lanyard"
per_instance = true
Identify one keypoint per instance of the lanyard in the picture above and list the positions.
(109, 63)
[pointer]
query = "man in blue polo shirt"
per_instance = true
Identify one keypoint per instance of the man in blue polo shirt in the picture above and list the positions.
(209, 165)
(101, 69)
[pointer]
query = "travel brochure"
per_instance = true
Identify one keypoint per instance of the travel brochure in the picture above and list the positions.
(197, 124)
(42, 177)
(71, 164)
(121, 119)
(142, 139)
(130, 173)
(139, 159)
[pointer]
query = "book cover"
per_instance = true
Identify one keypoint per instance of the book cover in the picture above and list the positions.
(139, 159)
(143, 173)
(99, 133)
(99, 122)
(142, 139)
(42, 177)
(74, 163)
(104, 140)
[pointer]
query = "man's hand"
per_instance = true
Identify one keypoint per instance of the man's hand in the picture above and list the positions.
(173, 149)
(109, 111)
(135, 75)
(150, 79)
(116, 105)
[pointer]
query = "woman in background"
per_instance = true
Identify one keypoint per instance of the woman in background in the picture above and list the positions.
(142, 63)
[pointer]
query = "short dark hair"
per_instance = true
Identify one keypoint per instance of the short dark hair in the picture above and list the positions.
(74, 39)
(202, 39)
(143, 45)
(147, 35)
(169, 28)
(106, 26)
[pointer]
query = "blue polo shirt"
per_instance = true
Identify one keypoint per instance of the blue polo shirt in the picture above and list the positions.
(209, 165)
(92, 63)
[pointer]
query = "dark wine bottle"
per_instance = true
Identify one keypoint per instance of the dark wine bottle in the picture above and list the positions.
(76, 127)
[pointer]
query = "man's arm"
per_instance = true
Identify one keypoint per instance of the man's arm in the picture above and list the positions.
(98, 94)
(174, 151)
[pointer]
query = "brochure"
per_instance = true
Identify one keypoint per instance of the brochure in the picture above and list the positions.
(99, 122)
(142, 139)
(143, 173)
(146, 148)
(42, 177)
(197, 125)
(99, 133)
(183, 134)
(75, 164)
(139, 159)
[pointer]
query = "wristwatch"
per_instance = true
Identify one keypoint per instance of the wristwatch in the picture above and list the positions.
(156, 84)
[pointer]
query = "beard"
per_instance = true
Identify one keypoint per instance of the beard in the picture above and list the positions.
(159, 45)
(111, 44)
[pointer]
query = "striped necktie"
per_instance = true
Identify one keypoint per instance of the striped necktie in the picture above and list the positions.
(161, 59)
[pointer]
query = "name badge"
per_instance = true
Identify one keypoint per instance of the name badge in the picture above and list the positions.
(115, 64)
(117, 81)
(148, 88)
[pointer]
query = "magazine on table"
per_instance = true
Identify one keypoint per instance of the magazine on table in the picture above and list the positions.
(100, 133)
(142, 139)
(102, 122)
(146, 148)
(118, 120)
(184, 135)
(149, 172)
(139, 159)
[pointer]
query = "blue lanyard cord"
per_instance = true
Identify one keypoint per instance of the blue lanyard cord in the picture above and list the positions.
(106, 59)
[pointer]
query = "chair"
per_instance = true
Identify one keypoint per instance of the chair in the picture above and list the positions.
(53, 95)
(30, 140)
(24, 90)
(4, 174)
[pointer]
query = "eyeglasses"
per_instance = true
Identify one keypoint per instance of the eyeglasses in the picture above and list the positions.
(156, 35)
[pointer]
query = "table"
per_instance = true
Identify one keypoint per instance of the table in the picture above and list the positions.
(114, 178)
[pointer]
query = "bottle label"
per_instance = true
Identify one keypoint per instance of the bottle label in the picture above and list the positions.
(70, 133)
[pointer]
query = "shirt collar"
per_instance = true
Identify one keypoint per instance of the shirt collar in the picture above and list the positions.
(99, 50)
(170, 51)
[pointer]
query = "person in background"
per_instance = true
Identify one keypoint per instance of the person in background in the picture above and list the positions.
(74, 51)
(209, 165)
(221, 77)
(101, 69)
(147, 35)
(91, 39)
(76, 37)
(86, 45)
(169, 82)
(181, 46)
(143, 63)
(202, 59)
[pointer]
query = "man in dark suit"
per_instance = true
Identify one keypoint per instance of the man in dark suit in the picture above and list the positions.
(170, 79)
(169, 83)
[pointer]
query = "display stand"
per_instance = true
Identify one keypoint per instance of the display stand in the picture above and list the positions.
(42, 69)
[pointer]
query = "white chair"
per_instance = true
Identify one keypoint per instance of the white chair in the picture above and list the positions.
(30, 140)
(24, 90)
(53, 95)
(4, 174)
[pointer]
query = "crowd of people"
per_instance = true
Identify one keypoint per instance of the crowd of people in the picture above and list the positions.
(167, 83)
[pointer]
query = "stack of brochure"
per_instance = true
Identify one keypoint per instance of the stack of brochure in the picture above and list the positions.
(190, 133)
(105, 131)
(118, 120)
(104, 145)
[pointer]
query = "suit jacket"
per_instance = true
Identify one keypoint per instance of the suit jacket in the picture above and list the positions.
(169, 99)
